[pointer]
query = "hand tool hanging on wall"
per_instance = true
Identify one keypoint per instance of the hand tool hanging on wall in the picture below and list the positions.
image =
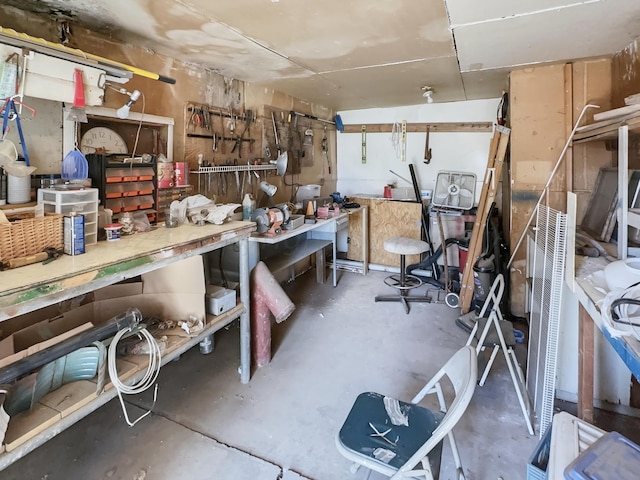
(275, 133)
(77, 112)
(325, 149)
(206, 116)
(404, 140)
(364, 144)
(222, 145)
(238, 143)
(427, 150)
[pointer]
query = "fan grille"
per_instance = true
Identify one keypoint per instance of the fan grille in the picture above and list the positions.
(455, 190)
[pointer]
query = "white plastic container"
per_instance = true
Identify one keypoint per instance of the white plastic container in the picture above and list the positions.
(622, 273)
(306, 192)
(18, 188)
(81, 201)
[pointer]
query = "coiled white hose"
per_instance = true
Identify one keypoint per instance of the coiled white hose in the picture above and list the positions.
(149, 377)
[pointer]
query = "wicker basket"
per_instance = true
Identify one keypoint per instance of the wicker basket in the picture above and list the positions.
(27, 235)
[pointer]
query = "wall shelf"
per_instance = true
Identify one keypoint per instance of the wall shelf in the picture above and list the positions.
(612, 129)
(233, 168)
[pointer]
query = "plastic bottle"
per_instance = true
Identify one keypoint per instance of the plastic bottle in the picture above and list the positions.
(248, 206)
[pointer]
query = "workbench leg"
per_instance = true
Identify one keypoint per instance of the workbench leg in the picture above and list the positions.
(335, 258)
(245, 324)
(585, 365)
(320, 265)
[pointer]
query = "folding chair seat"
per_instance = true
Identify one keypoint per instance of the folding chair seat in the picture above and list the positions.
(392, 437)
(500, 337)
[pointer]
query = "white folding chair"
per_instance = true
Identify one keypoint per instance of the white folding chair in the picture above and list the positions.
(392, 437)
(500, 338)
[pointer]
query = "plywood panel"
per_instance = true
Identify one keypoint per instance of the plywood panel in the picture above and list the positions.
(387, 218)
(538, 117)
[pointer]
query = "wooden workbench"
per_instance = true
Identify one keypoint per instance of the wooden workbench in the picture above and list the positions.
(36, 286)
(589, 317)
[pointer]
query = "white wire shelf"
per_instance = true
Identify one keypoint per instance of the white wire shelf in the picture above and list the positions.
(233, 168)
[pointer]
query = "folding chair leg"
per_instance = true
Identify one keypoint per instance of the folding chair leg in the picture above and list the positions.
(456, 456)
(485, 374)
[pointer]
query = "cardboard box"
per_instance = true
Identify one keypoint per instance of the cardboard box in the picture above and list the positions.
(39, 336)
(173, 292)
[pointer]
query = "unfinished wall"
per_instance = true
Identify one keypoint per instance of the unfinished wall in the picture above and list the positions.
(545, 101)
(194, 83)
(626, 71)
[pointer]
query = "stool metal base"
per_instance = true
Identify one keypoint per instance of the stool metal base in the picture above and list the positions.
(405, 299)
(404, 283)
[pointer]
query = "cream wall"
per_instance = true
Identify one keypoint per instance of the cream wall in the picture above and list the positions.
(464, 152)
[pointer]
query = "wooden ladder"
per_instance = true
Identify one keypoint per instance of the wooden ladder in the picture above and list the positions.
(497, 152)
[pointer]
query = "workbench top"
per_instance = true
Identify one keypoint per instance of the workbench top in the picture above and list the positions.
(27, 288)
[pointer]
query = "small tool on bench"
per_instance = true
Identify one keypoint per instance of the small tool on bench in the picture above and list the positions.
(46, 256)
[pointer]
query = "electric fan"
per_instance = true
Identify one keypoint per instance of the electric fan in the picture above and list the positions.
(455, 190)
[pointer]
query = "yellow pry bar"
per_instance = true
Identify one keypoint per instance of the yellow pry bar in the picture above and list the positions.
(46, 47)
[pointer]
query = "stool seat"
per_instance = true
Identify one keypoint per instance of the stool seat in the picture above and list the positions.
(405, 246)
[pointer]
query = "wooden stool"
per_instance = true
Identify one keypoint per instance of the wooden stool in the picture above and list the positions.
(403, 246)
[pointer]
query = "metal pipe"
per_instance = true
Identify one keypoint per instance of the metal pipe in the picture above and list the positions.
(312, 117)
(267, 297)
(130, 318)
(553, 172)
(245, 323)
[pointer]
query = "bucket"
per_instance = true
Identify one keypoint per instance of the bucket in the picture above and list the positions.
(113, 231)
(18, 188)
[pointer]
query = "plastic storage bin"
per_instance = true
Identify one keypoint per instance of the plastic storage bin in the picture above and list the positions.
(569, 438)
(612, 456)
(306, 192)
(539, 461)
(83, 202)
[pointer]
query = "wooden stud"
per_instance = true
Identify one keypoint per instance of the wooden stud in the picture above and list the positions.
(443, 127)
(585, 365)
(497, 152)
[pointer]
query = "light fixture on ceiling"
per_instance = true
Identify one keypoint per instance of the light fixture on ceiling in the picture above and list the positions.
(427, 92)
(123, 111)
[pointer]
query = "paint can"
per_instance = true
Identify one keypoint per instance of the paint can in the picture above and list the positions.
(165, 174)
(114, 231)
(182, 174)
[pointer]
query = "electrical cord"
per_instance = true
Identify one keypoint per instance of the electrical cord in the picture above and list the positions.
(621, 311)
(149, 377)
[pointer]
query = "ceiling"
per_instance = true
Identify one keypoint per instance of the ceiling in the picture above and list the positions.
(352, 54)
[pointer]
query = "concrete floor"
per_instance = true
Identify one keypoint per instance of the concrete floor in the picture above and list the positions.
(282, 425)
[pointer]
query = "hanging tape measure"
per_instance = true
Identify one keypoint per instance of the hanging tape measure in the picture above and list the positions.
(364, 144)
